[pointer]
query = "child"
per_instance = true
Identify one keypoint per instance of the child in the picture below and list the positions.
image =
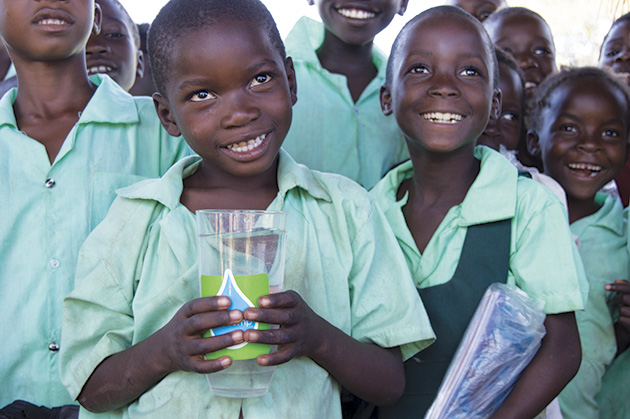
(579, 126)
(614, 53)
(463, 216)
(480, 9)
(527, 37)
(509, 128)
(337, 123)
(67, 143)
(224, 84)
(115, 51)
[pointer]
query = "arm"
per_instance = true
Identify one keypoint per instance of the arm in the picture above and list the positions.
(555, 364)
(622, 326)
(123, 377)
(372, 373)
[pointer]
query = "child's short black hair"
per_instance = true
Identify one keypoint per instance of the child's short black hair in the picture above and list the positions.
(179, 17)
(554, 81)
(445, 11)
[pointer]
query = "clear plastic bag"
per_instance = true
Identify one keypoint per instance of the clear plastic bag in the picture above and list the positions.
(502, 338)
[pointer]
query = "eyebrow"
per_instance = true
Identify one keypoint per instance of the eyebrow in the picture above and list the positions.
(201, 80)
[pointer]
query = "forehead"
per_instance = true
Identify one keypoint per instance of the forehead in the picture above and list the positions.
(620, 32)
(589, 96)
(521, 24)
(474, 4)
(112, 9)
(444, 35)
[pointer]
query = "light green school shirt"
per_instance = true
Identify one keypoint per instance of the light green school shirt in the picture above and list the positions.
(330, 132)
(48, 210)
(602, 237)
(543, 260)
(140, 266)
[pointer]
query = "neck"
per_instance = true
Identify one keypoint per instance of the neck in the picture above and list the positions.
(443, 178)
(580, 208)
(50, 89)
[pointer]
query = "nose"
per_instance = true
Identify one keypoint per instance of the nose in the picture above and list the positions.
(492, 129)
(525, 60)
(241, 109)
(590, 141)
(624, 55)
(95, 46)
(443, 86)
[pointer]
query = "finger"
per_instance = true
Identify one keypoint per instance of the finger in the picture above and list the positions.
(285, 354)
(280, 316)
(212, 344)
(624, 322)
(208, 366)
(205, 304)
(200, 323)
(280, 336)
(285, 299)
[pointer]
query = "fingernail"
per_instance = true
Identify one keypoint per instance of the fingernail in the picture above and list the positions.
(252, 336)
(264, 301)
(235, 315)
(226, 362)
(237, 336)
(263, 361)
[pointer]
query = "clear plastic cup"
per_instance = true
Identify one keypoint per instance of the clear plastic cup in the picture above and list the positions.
(241, 255)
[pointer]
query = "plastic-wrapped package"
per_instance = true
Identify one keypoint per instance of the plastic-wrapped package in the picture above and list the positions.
(502, 338)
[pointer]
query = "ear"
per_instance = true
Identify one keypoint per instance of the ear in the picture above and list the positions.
(403, 7)
(98, 17)
(290, 70)
(497, 102)
(532, 141)
(167, 118)
(386, 100)
(140, 65)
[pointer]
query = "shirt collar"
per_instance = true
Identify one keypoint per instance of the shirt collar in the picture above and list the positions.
(308, 35)
(609, 216)
(491, 197)
(110, 104)
(167, 190)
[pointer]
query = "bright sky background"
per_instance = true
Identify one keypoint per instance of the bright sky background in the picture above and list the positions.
(578, 26)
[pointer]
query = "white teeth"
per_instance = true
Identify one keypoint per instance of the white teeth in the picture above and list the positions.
(595, 169)
(245, 146)
(99, 69)
(530, 85)
(442, 118)
(51, 22)
(356, 14)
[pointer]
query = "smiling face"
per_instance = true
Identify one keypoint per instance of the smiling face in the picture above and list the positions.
(441, 92)
(480, 9)
(528, 39)
(47, 31)
(615, 51)
(583, 135)
(114, 51)
(508, 128)
(229, 93)
(357, 23)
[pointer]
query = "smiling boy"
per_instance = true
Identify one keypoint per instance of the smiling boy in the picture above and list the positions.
(463, 216)
(226, 85)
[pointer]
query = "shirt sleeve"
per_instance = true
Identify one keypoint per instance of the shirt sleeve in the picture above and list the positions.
(98, 318)
(546, 263)
(386, 307)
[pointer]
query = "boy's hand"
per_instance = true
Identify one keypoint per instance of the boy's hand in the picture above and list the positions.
(622, 288)
(299, 332)
(183, 344)
(622, 299)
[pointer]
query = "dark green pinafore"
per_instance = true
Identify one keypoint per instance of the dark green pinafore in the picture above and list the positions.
(484, 260)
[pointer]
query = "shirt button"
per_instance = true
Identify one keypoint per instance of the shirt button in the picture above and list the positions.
(356, 111)
(50, 183)
(53, 347)
(54, 263)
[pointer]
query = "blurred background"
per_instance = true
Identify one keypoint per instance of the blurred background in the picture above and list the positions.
(578, 26)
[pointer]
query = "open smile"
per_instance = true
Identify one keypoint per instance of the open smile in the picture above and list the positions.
(247, 146)
(443, 117)
(358, 14)
(585, 169)
(99, 69)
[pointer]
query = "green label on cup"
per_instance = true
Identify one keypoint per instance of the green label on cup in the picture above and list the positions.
(243, 291)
